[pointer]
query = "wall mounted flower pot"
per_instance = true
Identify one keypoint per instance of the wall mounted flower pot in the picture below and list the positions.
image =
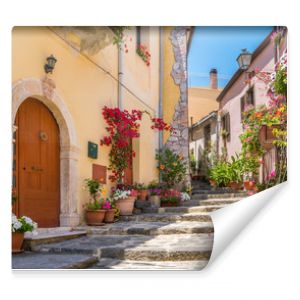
(17, 241)
(95, 217)
(126, 206)
(155, 200)
(109, 215)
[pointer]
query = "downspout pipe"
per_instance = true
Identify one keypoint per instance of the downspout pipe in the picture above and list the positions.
(120, 77)
(161, 82)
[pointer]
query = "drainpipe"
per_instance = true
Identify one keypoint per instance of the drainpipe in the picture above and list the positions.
(218, 133)
(120, 77)
(161, 81)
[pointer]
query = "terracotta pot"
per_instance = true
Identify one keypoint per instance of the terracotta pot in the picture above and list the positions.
(212, 183)
(109, 215)
(95, 217)
(17, 241)
(126, 206)
(236, 185)
(249, 185)
(155, 200)
(169, 204)
(143, 194)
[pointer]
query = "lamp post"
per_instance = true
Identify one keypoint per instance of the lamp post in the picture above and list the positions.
(49, 66)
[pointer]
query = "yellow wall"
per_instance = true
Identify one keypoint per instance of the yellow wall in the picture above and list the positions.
(85, 89)
(202, 101)
(171, 92)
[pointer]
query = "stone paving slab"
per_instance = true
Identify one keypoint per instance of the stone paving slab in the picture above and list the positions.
(183, 209)
(208, 202)
(149, 228)
(217, 196)
(168, 217)
(116, 264)
(138, 247)
(30, 260)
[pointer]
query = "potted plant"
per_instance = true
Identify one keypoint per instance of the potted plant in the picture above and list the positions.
(18, 228)
(124, 201)
(236, 171)
(170, 198)
(220, 174)
(109, 211)
(93, 209)
(155, 196)
(142, 191)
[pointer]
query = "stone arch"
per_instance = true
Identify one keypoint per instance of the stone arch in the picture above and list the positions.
(44, 91)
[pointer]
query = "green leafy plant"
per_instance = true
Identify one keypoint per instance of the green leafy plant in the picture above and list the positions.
(220, 173)
(172, 167)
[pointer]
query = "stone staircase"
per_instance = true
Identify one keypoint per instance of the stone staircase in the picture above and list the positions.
(179, 238)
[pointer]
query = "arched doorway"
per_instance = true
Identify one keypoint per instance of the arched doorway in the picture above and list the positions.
(38, 163)
(46, 94)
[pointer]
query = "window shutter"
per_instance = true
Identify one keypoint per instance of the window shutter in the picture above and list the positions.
(228, 126)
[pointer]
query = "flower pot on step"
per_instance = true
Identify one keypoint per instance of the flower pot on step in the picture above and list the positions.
(143, 194)
(212, 183)
(95, 217)
(109, 215)
(17, 241)
(236, 185)
(155, 200)
(126, 206)
(249, 185)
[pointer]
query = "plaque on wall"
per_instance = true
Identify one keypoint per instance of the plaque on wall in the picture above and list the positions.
(92, 150)
(99, 172)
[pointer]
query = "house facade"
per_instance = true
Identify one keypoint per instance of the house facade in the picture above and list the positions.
(245, 89)
(204, 126)
(57, 120)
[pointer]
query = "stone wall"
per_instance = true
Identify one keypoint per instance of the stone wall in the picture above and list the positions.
(179, 139)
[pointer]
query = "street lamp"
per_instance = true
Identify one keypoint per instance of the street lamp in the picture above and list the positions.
(49, 66)
(244, 59)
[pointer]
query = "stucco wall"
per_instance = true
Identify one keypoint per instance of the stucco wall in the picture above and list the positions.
(231, 101)
(202, 101)
(85, 89)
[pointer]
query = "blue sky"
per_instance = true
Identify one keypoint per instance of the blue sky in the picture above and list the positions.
(218, 47)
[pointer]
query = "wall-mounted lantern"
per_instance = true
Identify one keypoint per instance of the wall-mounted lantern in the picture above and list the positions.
(244, 59)
(49, 66)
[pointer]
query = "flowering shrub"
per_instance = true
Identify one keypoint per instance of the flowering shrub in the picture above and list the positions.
(123, 194)
(155, 192)
(172, 167)
(273, 115)
(122, 127)
(145, 55)
(23, 224)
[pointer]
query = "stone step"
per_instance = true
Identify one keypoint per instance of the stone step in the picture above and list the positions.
(116, 264)
(173, 247)
(48, 236)
(31, 260)
(150, 228)
(183, 209)
(208, 202)
(168, 217)
(217, 196)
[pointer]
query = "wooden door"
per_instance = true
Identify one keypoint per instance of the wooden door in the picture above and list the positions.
(38, 164)
(128, 173)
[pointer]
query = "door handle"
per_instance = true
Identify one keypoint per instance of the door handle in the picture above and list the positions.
(33, 168)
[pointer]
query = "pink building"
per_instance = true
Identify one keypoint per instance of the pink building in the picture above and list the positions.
(244, 89)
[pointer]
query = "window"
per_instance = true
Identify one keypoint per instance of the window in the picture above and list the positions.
(226, 126)
(207, 137)
(138, 36)
(246, 100)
